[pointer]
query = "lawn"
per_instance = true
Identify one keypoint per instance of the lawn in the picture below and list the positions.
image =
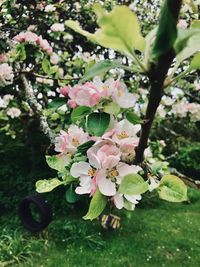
(156, 234)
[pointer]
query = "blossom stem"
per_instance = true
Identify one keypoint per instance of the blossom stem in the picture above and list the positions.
(157, 74)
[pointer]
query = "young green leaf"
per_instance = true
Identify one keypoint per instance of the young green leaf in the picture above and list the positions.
(79, 112)
(57, 102)
(97, 205)
(97, 123)
(133, 184)
(187, 43)
(100, 68)
(119, 29)
(172, 189)
(44, 186)
(46, 65)
(166, 34)
(56, 162)
(195, 63)
(112, 108)
(133, 118)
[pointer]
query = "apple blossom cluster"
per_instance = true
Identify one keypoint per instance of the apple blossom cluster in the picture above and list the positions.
(33, 38)
(107, 162)
(6, 75)
(91, 93)
(12, 112)
(182, 109)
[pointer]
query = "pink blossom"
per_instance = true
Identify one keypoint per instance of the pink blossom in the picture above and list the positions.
(182, 24)
(43, 43)
(121, 95)
(125, 130)
(86, 174)
(26, 37)
(85, 95)
(3, 58)
(108, 178)
(67, 142)
(103, 155)
(31, 37)
(31, 28)
(64, 90)
(72, 103)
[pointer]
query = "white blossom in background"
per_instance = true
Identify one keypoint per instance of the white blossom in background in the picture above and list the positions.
(57, 27)
(54, 59)
(50, 8)
(13, 112)
(6, 75)
(4, 101)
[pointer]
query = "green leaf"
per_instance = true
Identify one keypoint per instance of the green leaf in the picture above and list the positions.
(56, 162)
(67, 178)
(53, 69)
(21, 52)
(44, 186)
(85, 146)
(172, 189)
(195, 63)
(46, 65)
(128, 205)
(118, 30)
(195, 24)
(71, 196)
(133, 184)
(166, 34)
(57, 102)
(79, 112)
(99, 68)
(187, 43)
(97, 205)
(97, 123)
(133, 118)
(112, 108)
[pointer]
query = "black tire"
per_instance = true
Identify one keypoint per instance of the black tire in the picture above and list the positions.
(43, 208)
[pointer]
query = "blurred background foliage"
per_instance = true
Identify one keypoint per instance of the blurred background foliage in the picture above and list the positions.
(23, 146)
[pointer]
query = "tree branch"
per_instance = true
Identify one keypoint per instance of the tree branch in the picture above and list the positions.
(36, 107)
(157, 75)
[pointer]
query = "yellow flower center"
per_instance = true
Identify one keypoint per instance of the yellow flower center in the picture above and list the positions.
(91, 172)
(122, 135)
(75, 142)
(105, 87)
(113, 173)
(121, 93)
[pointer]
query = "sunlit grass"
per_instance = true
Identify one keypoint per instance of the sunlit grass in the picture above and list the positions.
(157, 234)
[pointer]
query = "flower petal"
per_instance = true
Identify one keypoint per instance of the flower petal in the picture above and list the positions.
(133, 199)
(106, 187)
(118, 201)
(80, 169)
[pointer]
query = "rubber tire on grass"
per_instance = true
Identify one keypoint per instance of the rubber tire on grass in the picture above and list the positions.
(43, 208)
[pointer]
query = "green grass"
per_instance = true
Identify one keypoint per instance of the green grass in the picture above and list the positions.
(155, 235)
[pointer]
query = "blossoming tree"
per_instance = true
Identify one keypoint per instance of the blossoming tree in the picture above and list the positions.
(103, 149)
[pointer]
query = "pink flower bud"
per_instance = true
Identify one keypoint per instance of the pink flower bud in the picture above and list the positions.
(64, 90)
(72, 104)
